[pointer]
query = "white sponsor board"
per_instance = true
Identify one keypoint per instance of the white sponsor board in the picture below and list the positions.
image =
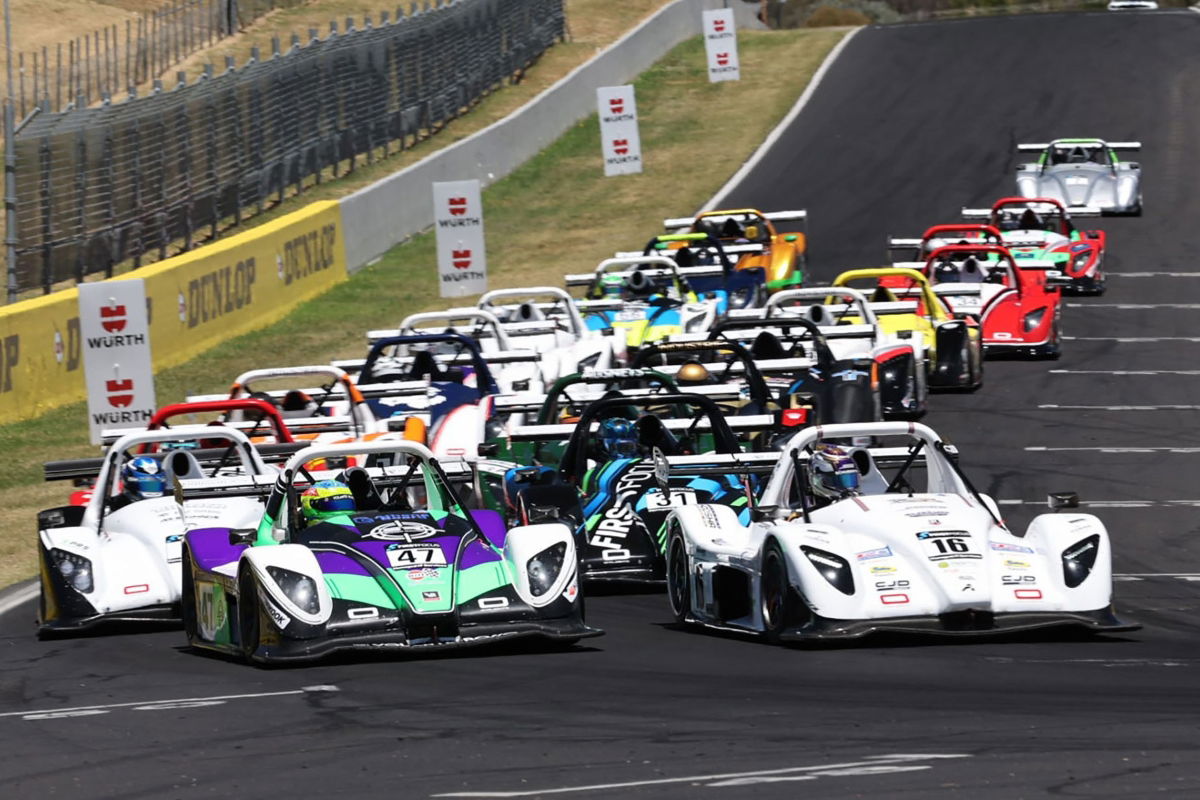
(115, 330)
(462, 261)
(720, 43)
(619, 139)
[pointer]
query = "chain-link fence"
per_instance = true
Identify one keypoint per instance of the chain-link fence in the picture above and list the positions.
(97, 187)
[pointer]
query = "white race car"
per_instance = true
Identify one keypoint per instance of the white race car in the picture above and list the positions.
(919, 550)
(117, 559)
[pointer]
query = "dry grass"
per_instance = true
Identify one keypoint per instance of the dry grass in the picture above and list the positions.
(555, 214)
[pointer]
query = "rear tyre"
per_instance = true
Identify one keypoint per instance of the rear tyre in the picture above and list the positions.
(782, 610)
(249, 632)
(678, 591)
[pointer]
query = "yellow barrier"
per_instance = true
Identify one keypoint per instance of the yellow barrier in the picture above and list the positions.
(195, 301)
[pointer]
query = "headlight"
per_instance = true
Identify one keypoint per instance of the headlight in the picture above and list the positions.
(543, 569)
(833, 568)
(740, 298)
(1080, 260)
(697, 323)
(1033, 319)
(1078, 560)
(588, 362)
(76, 570)
(300, 589)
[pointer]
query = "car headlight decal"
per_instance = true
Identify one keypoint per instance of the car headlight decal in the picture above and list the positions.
(544, 568)
(74, 569)
(832, 567)
(300, 589)
(1033, 319)
(1080, 260)
(1078, 560)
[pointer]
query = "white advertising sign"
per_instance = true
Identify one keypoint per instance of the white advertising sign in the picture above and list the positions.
(115, 329)
(462, 262)
(619, 139)
(720, 42)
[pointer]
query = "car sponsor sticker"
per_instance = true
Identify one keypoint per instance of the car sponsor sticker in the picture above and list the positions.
(629, 315)
(879, 552)
(431, 596)
(421, 574)
(402, 530)
(882, 570)
(1011, 548)
(281, 619)
(408, 556)
(1012, 563)
(174, 549)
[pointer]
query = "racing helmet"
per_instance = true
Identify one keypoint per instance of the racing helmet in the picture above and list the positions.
(692, 373)
(143, 477)
(326, 499)
(832, 473)
(297, 404)
(618, 438)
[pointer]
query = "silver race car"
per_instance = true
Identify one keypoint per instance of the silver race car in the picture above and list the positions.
(1083, 172)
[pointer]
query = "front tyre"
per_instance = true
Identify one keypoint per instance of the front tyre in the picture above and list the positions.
(781, 608)
(249, 630)
(678, 590)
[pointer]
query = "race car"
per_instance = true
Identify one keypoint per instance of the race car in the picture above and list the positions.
(645, 299)
(1041, 229)
(605, 487)
(899, 366)
(1083, 172)
(951, 343)
(847, 541)
(378, 558)
(1019, 309)
(117, 557)
(752, 236)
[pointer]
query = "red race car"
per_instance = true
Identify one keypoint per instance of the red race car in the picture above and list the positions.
(1040, 229)
(1019, 308)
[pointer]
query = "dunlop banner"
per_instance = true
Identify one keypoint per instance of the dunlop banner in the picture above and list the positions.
(194, 301)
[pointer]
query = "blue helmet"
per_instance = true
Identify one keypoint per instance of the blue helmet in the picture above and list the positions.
(618, 438)
(832, 472)
(143, 477)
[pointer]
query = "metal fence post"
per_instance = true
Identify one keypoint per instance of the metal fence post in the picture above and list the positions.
(10, 195)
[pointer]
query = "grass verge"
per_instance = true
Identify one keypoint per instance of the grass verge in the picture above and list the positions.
(555, 214)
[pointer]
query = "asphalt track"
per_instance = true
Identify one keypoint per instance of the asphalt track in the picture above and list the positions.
(911, 123)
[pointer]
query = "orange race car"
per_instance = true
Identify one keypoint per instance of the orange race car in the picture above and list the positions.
(752, 236)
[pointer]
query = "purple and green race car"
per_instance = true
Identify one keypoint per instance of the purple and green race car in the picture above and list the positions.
(397, 563)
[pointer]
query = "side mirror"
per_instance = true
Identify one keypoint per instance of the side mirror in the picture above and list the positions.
(487, 449)
(763, 513)
(1060, 500)
(662, 472)
(791, 237)
(244, 536)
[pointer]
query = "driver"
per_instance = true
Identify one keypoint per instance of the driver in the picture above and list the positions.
(832, 473)
(946, 272)
(141, 479)
(617, 438)
(327, 501)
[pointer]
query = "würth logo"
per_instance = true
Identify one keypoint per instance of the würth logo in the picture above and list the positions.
(617, 104)
(718, 25)
(458, 206)
(461, 259)
(722, 59)
(120, 392)
(620, 146)
(112, 318)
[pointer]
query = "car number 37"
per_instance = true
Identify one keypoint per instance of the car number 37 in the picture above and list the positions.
(676, 499)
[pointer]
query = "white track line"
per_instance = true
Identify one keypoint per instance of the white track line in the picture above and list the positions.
(1111, 503)
(718, 198)
(179, 702)
(1101, 449)
(1057, 407)
(869, 766)
(1154, 274)
(1132, 306)
(18, 597)
(1125, 372)
(1132, 339)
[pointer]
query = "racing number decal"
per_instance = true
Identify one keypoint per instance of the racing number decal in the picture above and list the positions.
(951, 545)
(679, 497)
(947, 545)
(408, 556)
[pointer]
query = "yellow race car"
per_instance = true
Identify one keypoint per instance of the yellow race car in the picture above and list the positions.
(908, 309)
(751, 236)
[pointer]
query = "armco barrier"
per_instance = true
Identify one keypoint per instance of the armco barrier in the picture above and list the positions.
(195, 300)
(390, 210)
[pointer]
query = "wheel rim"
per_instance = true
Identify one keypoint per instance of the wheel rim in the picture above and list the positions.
(677, 577)
(772, 592)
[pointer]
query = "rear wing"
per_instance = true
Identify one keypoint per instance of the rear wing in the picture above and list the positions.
(367, 390)
(751, 423)
(678, 223)
(1073, 211)
(509, 330)
(704, 271)
(85, 468)
(766, 366)
(532, 402)
(354, 365)
(730, 249)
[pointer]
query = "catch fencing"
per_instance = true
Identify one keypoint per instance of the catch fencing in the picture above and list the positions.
(110, 62)
(134, 181)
